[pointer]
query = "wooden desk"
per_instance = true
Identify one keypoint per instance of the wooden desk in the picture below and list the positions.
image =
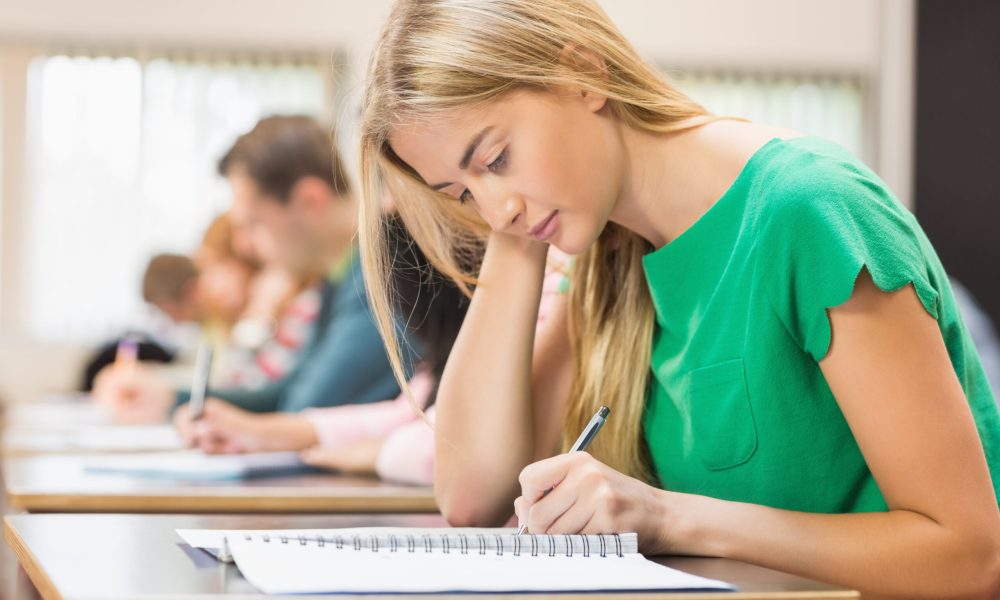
(60, 484)
(140, 556)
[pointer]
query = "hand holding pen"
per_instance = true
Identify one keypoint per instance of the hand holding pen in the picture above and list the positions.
(582, 443)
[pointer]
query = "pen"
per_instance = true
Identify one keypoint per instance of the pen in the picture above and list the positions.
(581, 443)
(127, 353)
(199, 387)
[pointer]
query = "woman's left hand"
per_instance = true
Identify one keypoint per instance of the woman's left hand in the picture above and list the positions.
(587, 496)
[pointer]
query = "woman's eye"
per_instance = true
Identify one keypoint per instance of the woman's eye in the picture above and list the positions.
(498, 162)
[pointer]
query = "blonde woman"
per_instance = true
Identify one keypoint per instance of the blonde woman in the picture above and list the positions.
(790, 382)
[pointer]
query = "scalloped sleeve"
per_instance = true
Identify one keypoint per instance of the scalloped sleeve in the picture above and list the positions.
(817, 235)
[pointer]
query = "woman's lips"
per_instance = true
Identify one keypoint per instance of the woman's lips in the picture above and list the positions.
(546, 228)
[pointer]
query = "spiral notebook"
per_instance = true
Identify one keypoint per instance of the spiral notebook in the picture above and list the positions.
(403, 560)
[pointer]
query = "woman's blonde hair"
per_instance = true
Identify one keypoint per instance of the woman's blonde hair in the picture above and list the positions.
(437, 55)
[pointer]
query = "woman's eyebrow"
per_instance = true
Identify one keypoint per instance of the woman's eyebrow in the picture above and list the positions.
(469, 151)
(471, 148)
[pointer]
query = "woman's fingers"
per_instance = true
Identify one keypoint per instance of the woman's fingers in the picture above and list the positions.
(551, 489)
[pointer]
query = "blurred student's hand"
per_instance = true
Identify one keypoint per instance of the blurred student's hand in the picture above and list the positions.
(223, 428)
(356, 458)
(228, 429)
(133, 394)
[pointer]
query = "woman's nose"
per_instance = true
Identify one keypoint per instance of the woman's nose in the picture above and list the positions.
(508, 214)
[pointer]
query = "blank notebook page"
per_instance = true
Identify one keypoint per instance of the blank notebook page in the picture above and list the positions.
(469, 563)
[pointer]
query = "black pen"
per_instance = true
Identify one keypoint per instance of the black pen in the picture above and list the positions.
(581, 443)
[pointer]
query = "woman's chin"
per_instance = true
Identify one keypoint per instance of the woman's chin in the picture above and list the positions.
(568, 249)
(572, 245)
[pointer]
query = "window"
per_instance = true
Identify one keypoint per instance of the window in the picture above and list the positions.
(122, 156)
(832, 107)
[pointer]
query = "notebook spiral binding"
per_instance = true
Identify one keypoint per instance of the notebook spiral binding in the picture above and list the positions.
(608, 543)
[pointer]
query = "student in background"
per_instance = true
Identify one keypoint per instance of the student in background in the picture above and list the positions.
(276, 317)
(287, 179)
(174, 308)
(265, 343)
(243, 281)
(147, 349)
(789, 379)
(361, 438)
(170, 283)
(226, 266)
(386, 438)
(165, 326)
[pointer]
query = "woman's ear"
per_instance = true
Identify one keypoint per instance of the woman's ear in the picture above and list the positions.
(584, 60)
(309, 196)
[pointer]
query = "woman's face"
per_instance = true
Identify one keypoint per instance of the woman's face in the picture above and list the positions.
(541, 165)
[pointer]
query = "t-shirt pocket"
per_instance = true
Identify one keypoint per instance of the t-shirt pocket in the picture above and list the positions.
(722, 422)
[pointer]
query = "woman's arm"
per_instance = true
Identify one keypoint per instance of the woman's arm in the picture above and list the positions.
(892, 376)
(488, 398)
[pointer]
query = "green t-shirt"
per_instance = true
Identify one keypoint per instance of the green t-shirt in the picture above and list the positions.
(738, 408)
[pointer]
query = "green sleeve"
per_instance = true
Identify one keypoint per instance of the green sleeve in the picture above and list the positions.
(822, 223)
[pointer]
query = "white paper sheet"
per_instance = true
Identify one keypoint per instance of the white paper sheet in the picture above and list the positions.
(194, 465)
(108, 438)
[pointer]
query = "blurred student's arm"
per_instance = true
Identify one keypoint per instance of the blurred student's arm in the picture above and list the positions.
(227, 429)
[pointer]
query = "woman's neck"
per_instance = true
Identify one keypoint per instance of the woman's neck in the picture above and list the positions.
(671, 179)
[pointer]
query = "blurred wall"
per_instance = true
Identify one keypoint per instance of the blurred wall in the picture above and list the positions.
(804, 34)
(867, 38)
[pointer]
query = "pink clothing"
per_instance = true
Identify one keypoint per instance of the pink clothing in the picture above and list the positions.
(277, 356)
(340, 426)
(407, 454)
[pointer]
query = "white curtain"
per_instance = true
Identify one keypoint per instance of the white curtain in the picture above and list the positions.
(122, 166)
(830, 107)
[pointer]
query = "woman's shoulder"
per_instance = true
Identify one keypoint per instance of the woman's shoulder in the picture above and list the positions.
(786, 172)
(809, 181)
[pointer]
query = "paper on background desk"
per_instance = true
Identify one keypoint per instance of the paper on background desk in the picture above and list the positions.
(193, 465)
(98, 438)
(56, 411)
